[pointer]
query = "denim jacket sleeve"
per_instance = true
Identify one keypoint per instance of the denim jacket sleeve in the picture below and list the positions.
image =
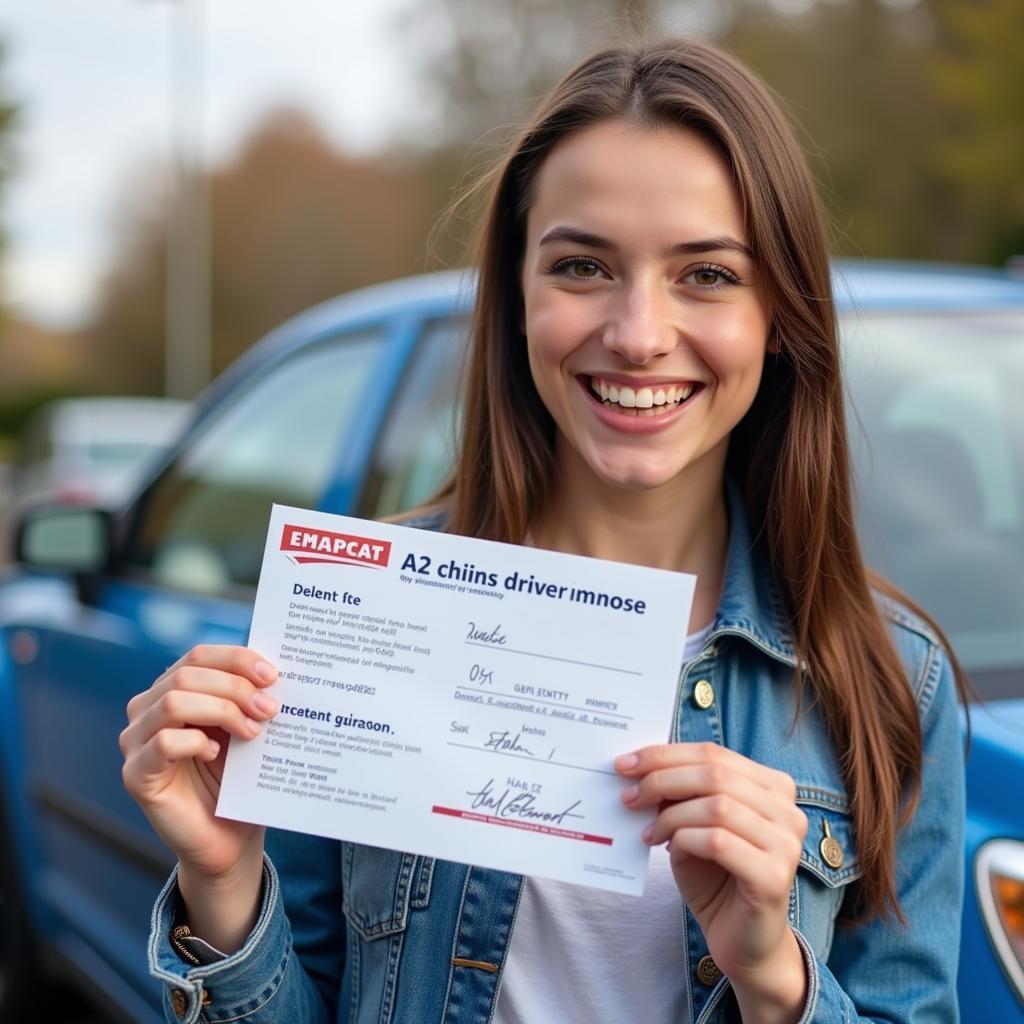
(884, 971)
(290, 966)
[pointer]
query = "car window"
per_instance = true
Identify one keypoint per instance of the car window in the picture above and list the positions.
(204, 522)
(415, 451)
(108, 455)
(939, 454)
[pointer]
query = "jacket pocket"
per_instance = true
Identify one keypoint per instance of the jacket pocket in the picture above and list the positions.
(828, 864)
(380, 887)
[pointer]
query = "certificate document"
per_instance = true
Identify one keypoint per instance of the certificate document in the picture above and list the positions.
(458, 698)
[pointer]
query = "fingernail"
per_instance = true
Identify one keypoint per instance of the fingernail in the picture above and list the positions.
(647, 833)
(265, 671)
(630, 793)
(264, 703)
(215, 747)
(252, 726)
(627, 761)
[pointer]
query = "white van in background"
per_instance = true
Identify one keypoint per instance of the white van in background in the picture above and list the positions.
(86, 451)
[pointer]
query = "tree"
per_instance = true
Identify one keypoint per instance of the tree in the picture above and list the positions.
(909, 110)
(915, 111)
(977, 70)
(853, 75)
(484, 66)
(292, 222)
(8, 120)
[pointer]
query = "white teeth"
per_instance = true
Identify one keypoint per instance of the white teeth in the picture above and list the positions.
(644, 399)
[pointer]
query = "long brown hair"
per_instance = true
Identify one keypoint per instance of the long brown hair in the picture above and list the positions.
(789, 455)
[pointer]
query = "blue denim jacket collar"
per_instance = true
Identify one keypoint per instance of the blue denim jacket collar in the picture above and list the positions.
(751, 606)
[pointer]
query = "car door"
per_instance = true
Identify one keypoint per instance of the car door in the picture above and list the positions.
(415, 450)
(185, 569)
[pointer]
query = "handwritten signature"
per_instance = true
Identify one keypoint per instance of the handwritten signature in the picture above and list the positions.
(477, 634)
(518, 805)
(503, 741)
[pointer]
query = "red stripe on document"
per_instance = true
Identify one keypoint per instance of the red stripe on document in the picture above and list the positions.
(306, 559)
(526, 826)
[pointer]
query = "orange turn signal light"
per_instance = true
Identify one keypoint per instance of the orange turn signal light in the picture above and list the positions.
(999, 882)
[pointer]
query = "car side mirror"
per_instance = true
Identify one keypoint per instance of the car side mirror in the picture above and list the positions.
(74, 540)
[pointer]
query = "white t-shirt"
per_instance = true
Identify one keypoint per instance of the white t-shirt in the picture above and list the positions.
(583, 955)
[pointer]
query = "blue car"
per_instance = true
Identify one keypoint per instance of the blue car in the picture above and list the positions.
(351, 408)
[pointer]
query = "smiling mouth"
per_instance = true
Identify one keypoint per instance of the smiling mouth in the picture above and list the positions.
(643, 401)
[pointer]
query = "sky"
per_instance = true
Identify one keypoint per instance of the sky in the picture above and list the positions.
(93, 80)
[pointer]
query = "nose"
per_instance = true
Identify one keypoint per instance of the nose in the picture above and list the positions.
(639, 328)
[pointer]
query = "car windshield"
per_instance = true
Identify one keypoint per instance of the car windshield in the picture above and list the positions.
(937, 432)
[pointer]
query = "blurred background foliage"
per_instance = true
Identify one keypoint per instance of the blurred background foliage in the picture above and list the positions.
(8, 118)
(911, 111)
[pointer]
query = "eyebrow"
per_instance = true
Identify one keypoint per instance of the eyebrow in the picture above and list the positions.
(592, 241)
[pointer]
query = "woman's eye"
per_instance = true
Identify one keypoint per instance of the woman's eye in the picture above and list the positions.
(712, 277)
(578, 269)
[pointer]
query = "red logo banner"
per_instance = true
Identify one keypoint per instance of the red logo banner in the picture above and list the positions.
(308, 544)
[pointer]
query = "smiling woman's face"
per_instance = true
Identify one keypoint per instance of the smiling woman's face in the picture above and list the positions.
(645, 326)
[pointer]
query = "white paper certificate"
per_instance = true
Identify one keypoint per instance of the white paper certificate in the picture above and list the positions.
(458, 698)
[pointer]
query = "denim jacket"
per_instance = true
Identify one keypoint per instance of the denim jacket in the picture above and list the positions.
(350, 933)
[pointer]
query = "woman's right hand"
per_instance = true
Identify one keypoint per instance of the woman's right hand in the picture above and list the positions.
(174, 748)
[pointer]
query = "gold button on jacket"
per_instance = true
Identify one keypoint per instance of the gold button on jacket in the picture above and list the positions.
(179, 1001)
(830, 848)
(708, 972)
(703, 694)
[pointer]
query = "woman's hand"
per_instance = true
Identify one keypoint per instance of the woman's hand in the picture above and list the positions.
(734, 836)
(174, 748)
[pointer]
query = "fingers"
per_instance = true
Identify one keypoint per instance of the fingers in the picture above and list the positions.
(715, 780)
(673, 755)
(145, 771)
(170, 745)
(215, 687)
(252, 700)
(762, 875)
(232, 672)
(231, 659)
(716, 804)
(179, 709)
(174, 728)
(728, 814)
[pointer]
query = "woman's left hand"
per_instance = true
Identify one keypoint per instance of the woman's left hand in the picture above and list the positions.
(734, 837)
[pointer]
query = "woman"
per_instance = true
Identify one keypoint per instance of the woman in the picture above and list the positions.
(654, 378)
